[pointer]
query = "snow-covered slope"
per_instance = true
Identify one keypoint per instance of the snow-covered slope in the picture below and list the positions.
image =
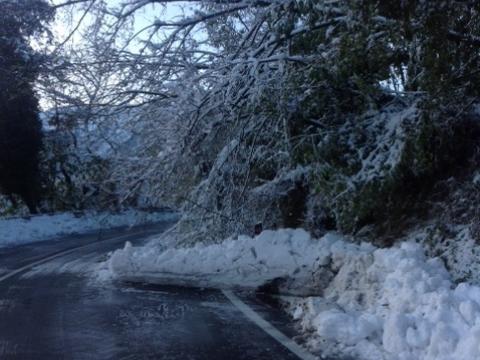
(370, 303)
(16, 231)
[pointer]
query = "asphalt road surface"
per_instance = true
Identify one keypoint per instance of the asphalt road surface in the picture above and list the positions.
(52, 306)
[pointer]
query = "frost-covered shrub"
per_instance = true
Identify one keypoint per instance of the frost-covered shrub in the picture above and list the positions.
(357, 163)
(12, 206)
(379, 168)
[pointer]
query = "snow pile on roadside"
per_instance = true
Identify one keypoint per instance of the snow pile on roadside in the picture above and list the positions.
(393, 304)
(16, 231)
(243, 262)
(369, 303)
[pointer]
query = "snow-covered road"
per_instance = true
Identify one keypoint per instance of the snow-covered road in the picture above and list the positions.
(52, 306)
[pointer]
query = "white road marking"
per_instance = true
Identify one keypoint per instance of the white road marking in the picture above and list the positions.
(57, 255)
(267, 327)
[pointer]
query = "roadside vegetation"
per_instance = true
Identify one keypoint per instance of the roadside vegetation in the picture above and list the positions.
(355, 116)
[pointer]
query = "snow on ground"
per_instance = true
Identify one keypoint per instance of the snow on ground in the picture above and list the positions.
(368, 303)
(243, 262)
(393, 304)
(14, 231)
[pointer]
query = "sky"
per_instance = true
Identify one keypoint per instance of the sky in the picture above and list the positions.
(70, 23)
(71, 17)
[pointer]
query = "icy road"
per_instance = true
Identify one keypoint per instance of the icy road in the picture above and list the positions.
(51, 307)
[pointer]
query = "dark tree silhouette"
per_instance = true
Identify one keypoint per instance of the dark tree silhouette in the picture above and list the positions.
(20, 126)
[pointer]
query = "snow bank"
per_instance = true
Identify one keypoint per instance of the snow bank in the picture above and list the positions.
(16, 231)
(370, 303)
(393, 304)
(243, 262)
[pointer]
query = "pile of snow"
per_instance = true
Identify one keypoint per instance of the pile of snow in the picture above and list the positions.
(243, 262)
(393, 304)
(14, 231)
(369, 303)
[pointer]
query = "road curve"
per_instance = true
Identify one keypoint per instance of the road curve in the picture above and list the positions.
(58, 310)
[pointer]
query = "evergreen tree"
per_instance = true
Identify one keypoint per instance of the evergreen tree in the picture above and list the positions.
(20, 126)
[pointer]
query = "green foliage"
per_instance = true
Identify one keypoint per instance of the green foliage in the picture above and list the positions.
(20, 127)
(425, 47)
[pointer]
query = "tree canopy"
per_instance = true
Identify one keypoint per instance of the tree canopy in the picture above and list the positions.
(350, 109)
(20, 126)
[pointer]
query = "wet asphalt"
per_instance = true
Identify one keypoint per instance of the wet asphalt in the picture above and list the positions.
(60, 310)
